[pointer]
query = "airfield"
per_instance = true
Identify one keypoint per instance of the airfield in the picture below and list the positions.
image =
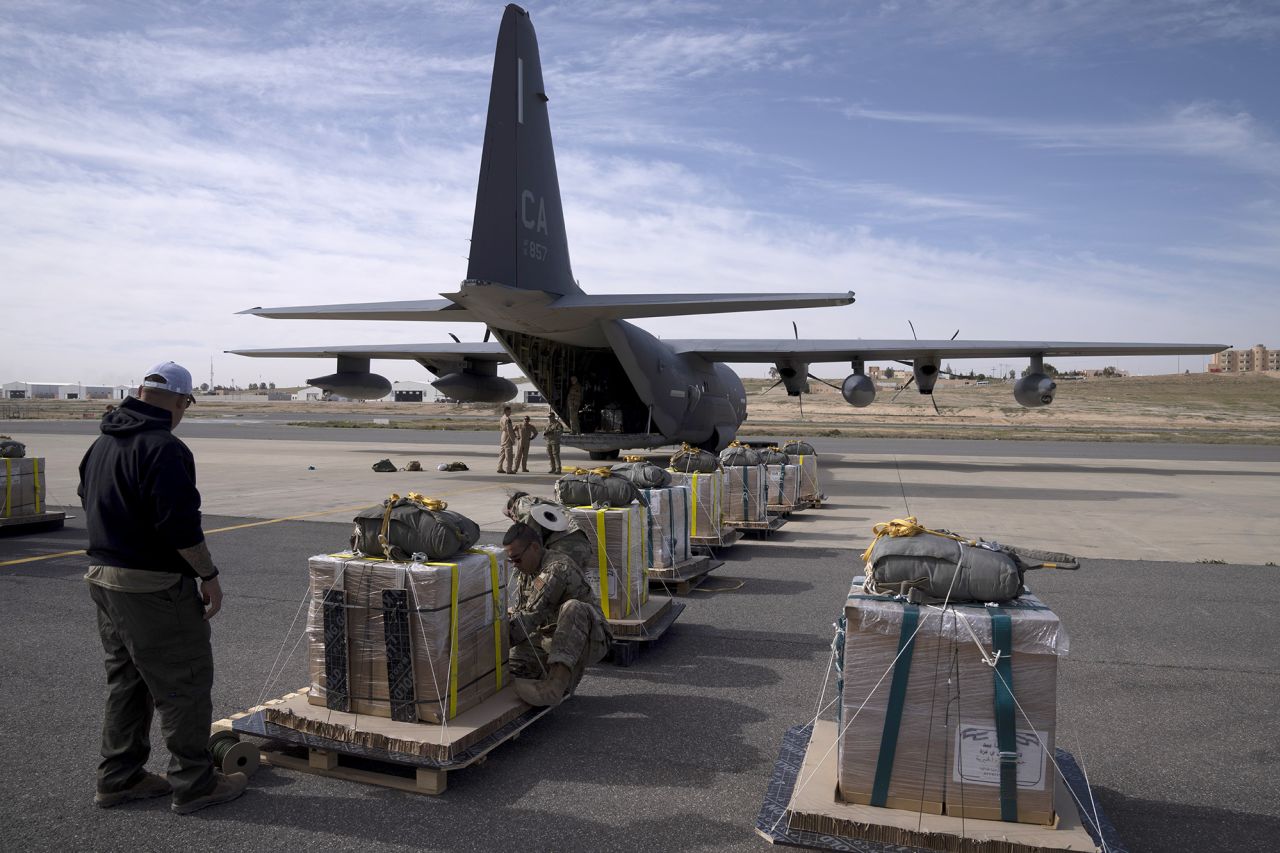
(1167, 697)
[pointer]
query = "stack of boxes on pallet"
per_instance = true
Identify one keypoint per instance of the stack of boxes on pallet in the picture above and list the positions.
(745, 481)
(803, 456)
(618, 536)
(670, 518)
(408, 641)
(929, 722)
(22, 492)
(706, 491)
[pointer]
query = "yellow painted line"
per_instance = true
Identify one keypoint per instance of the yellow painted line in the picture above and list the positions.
(207, 532)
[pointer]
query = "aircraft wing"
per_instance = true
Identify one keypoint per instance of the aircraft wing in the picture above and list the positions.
(638, 305)
(435, 357)
(817, 351)
(440, 310)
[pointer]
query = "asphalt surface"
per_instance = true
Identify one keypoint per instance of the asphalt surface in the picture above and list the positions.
(1167, 697)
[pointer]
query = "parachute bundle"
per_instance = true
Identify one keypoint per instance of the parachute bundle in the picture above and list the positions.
(403, 527)
(597, 487)
(738, 455)
(643, 473)
(689, 459)
(774, 456)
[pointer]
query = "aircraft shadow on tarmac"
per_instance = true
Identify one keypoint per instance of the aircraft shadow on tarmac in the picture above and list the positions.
(1153, 825)
(1037, 468)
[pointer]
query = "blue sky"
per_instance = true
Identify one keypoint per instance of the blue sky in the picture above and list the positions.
(1087, 170)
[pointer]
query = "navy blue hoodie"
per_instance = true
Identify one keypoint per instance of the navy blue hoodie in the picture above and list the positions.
(138, 488)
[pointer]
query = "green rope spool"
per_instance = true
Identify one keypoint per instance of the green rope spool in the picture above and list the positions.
(233, 755)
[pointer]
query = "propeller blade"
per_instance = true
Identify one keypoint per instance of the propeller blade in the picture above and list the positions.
(455, 338)
(487, 333)
(795, 330)
(904, 387)
(771, 387)
(801, 396)
(934, 400)
(913, 330)
(953, 337)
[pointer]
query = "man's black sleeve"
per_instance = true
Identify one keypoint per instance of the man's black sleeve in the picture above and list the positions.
(170, 484)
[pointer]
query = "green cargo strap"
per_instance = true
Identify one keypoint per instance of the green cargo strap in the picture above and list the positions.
(648, 555)
(1006, 733)
(897, 698)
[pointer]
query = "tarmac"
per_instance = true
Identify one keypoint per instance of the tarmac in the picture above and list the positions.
(1167, 697)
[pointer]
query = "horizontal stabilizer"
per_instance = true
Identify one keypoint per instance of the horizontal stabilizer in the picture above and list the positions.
(819, 351)
(638, 305)
(441, 310)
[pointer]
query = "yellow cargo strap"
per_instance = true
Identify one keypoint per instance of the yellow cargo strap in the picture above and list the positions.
(36, 465)
(633, 459)
(694, 531)
(603, 559)
(498, 615)
(453, 637)
(904, 527)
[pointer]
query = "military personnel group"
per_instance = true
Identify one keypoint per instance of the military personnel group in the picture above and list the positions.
(514, 440)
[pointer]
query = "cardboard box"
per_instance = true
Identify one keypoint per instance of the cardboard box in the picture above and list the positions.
(782, 485)
(22, 488)
(707, 491)
(942, 744)
(810, 487)
(618, 574)
(451, 614)
(744, 493)
(669, 517)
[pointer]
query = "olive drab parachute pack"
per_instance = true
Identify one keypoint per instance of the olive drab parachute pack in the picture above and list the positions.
(739, 455)
(384, 466)
(11, 448)
(598, 487)
(691, 460)
(403, 527)
(414, 465)
(799, 448)
(929, 566)
(643, 473)
(774, 456)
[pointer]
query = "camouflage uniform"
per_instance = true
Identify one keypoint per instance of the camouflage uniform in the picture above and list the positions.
(506, 446)
(572, 542)
(573, 402)
(551, 435)
(526, 432)
(556, 619)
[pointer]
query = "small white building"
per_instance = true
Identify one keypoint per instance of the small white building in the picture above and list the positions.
(24, 390)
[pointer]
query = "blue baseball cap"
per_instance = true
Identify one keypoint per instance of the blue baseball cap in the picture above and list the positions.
(172, 377)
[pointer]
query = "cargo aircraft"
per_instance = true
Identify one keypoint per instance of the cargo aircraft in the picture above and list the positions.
(637, 391)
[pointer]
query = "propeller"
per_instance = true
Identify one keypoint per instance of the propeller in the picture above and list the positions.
(487, 333)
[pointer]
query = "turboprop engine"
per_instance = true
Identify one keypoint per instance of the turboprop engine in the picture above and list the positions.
(1035, 389)
(858, 389)
(354, 385)
(466, 386)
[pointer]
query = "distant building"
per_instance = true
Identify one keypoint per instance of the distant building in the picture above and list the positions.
(1256, 359)
(22, 390)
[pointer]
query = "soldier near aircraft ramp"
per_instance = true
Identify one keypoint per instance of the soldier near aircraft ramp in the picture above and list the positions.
(556, 626)
(551, 435)
(526, 433)
(573, 402)
(506, 443)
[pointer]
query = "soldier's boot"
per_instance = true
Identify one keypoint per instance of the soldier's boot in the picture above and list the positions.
(546, 692)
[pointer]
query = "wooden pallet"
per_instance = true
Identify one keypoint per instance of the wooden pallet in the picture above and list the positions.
(682, 578)
(482, 729)
(785, 510)
(625, 648)
(727, 537)
(760, 528)
(33, 522)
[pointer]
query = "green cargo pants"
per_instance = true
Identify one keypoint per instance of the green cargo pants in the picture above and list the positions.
(578, 640)
(158, 658)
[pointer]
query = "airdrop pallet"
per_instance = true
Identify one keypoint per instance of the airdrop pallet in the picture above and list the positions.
(800, 809)
(32, 523)
(784, 510)
(727, 536)
(760, 528)
(684, 577)
(413, 757)
(627, 641)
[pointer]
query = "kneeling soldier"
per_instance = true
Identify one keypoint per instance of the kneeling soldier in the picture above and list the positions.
(556, 626)
(551, 521)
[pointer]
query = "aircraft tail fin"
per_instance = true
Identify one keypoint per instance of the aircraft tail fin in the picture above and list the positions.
(517, 235)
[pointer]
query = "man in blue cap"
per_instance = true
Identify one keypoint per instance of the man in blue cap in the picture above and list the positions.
(147, 555)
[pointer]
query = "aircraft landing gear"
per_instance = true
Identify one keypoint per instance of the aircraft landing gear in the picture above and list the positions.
(603, 455)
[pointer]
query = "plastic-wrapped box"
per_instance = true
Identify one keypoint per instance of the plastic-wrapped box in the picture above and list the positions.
(707, 490)
(617, 574)
(782, 485)
(810, 487)
(22, 491)
(667, 536)
(744, 493)
(409, 641)
(925, 720)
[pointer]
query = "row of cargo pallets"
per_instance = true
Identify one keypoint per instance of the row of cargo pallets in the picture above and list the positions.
(417, 757)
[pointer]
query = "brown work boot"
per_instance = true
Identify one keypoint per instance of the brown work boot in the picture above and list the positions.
(150, 785)
(225, 789)
(548, 691)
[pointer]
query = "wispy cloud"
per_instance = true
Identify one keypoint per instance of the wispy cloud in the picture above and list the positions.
(1199, 129)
